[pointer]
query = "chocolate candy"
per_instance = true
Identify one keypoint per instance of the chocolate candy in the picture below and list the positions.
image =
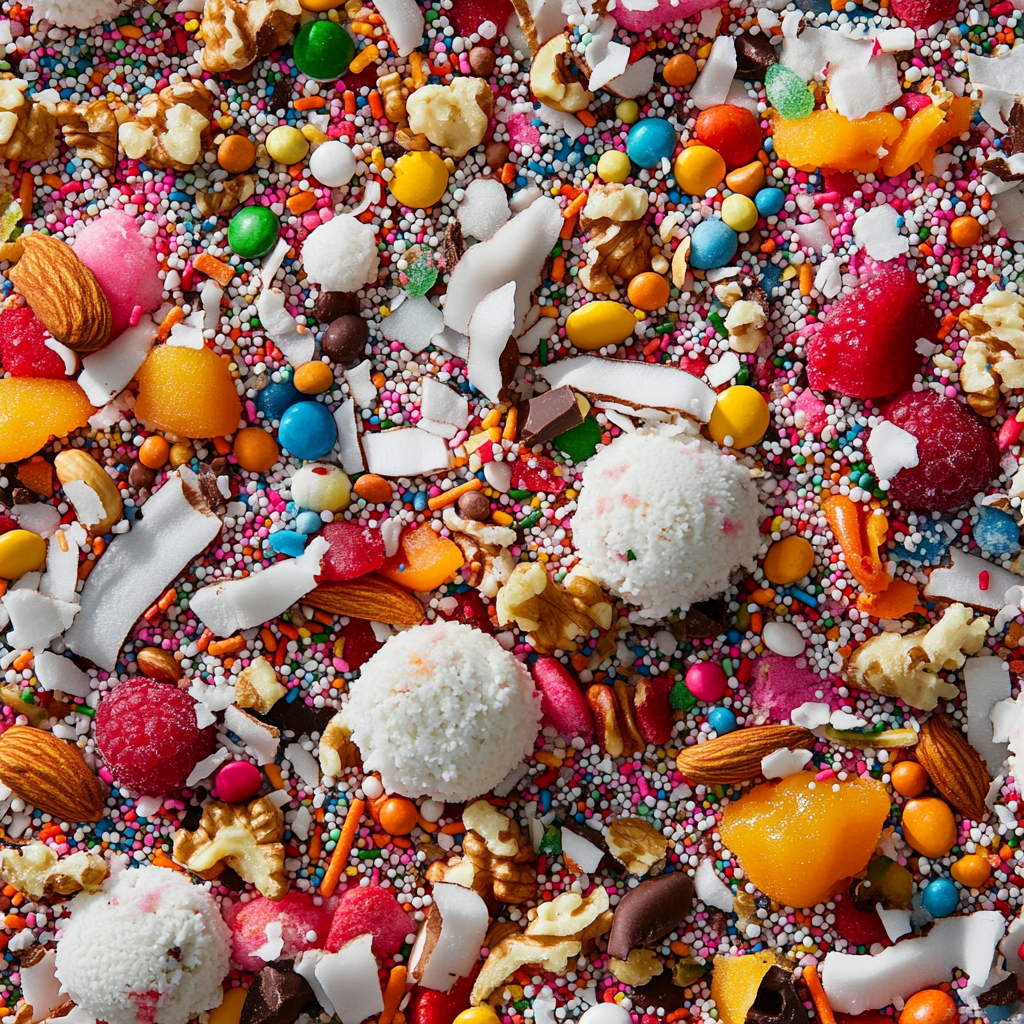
(650, 912)
(277, 996)
(330, 305)
(345, 339)
(754, 56)
(777, 1001)
(548, 415)
(481, 60)
(473, 505)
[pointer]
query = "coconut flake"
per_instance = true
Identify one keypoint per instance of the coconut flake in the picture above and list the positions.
(345, 979)
(271, 949)
(88, 504)
(188, 333)
(860, 91)
(210, 295)
(484, 208)
(782, 763)
(811, 714)
(413, 323)
(891, 449)
(67, 355)
(582, 852)
(456, 950)
(962, 581)
(36, 619)
(37, 517)
(273, 263)
(515, 252)
(304, 763)
(297, 345)
(711, 890)
(878, 231)
(405, 451)
(443, 403)
(723, 371)
(360, 385)
(305, 967)
(712, 85)
(232, 605)
(350, 452)
(57, 673)
(205, 768)
(855, 983)
(175, 526)
(895, 922)
(493, 355)
(40, 987)
(452, 341)
(999, 79)
(405, 24)
(61, 577)
(637, 384)
(262, 739)
(987, 681)
(107, 372)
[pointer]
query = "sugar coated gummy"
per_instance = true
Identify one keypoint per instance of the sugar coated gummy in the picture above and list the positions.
(33, 410)
(304, 924)
(372, 909)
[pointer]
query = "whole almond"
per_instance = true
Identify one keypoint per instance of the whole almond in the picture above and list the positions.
(75, 467)
(368, 597)
(63, 293)
(736, 757)
(956, 769)
(49, 774)
(158, 664)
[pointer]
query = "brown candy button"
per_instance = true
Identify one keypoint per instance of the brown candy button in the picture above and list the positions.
(650, 912)
(473, 505)
(481, 60)
(496, 154)
(236, 154)
(345, 339)
(754, 56)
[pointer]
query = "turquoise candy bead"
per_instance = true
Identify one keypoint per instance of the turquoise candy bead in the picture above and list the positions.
(650, 141)
(787, 93)
(323, 50)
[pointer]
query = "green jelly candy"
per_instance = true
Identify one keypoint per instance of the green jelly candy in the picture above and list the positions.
(680, 698)
(253, 231)
(551, 841)
(581, 441)
(420, 277)
(323, 50)
(787, 93)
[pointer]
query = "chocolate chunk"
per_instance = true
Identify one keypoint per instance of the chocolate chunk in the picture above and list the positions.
(660, 993)
(140, 476)
(281, 95)
(1001, 994)
(344, 341)
(481, 60)
(277, 996)
(656, 907)
(508, 363)
(330, 305)
(706, 618)
(496, 154)
(473, 505)
(1013, 140)
(298, 717)
(453, 248)
(777, 1001)
(546, 416)
(754, 56)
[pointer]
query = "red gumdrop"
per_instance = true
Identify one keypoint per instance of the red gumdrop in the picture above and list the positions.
(297, 914)
(23, 348)
(922, 13)
(433, 1007)
(374, 910)
(732, 132)
(867, 346)
(562, 702)
(957, 456)
(537, 473)
(860, 927)
(355, 550)
(361, 643)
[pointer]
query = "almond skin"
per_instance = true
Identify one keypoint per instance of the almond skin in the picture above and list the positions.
(368, 597)
(63, 293)
(49, 774)
(736, 757)
(954, 766)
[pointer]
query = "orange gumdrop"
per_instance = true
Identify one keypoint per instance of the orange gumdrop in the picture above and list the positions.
(34, 409)
(398, 816)
(187, 391)
(832, 142)
(958, 121)
(913, 141)
(423, 560)
(796, 840)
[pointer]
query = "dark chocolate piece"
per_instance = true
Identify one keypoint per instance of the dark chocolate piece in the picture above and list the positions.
(1002, 993)
(546, 416)
(277, 996)
(754, 56)
(656, 907)
(473, 505)
(777, 1001)
(660, 993)
(344, 341)
(298, 717)
(330, 305)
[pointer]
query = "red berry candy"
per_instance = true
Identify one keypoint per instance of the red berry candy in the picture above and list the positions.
(860, 927)
(732, 132)
(23, 346)
(922, 13)
(148, 736)
(355, 550)
(361, 643)
(468, 15)
(433, 1007)
(537, 473)
(562, 702)
(471, 610)
(957, 456)
(373, 909)
(868, 344)
(298, 916)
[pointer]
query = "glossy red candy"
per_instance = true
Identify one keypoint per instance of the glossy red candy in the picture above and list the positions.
(361, 643)
(537, 473)
(23, 349)
(732, 132)
(355, 550)
(922, 13)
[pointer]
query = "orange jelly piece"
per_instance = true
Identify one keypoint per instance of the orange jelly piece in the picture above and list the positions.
(34, 409)
(795, 843)
(188, 392)
(423, 560)
(828, 140)
(735, 982)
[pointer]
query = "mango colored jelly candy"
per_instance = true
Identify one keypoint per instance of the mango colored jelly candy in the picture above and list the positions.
(187, 391)
(34, 409)
(832, 142)
(924, 133)
(735, 982)
(796, 839)
(423, 560)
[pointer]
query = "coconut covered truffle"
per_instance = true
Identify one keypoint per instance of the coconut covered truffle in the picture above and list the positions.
(443, 711)
(663, 521)
(149, 947)
(341, 255)
(76, 13)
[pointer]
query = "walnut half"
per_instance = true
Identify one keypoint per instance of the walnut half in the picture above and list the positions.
(90, 129)
(238, 32)
(171, 127)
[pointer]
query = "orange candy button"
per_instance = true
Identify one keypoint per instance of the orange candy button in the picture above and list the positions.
(648, 291)
(964, 231)
(236, 154)
(931, 1006)
(929, 826)
(909, 778)
(255, 449)
(398, 816)
(680, 70)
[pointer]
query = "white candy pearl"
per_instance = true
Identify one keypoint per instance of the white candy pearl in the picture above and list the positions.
(783, 638)
(333, 164)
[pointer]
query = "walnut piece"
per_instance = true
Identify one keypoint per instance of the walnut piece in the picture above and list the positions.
(455, 116)
(236, 191)
(994, 357)
(37, 871)
(642, 965)
(745, 323)
(90, 129)
(906, 666)
(489, 562)
(552, 78)
(337, 751)
(245, 838)
(636, 843)
(258, 687)
(171, 128)
(618, 244)
(238, 32)
(499, 853)
(28, 127)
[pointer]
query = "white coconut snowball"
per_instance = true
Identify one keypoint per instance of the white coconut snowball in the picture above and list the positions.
(663, 521)
(443, 711)
(76, 13)
(150, 946)
(341, 255)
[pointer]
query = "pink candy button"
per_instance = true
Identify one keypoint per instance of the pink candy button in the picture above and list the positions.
(706, 681)
(238, 781)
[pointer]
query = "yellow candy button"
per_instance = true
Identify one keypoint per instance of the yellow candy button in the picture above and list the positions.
(420, 180)
(287, 145)
(482, 1014)
(598, 324)
(20, 552)
(788, 560)
(739, 212)
(613, 165)
(698, 169)
(740, 417)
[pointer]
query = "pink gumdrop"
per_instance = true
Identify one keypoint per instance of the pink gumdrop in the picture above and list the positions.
(373, 909)
(125, 264)
(706, 681)
(304, 925)
(238, 781)
(562, 702)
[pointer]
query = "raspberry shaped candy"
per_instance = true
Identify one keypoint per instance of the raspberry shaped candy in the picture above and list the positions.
(304, 925)
(355, 550)
(149, 737)
(370, 909)
(956, 455)
(23, 348)
(922, 13)
(867, 346)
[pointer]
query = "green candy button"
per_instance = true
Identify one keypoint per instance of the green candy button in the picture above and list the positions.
(323, 50)
(253, 232)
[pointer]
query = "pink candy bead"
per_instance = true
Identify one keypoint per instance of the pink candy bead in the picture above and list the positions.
(237, 781)
(706, 681)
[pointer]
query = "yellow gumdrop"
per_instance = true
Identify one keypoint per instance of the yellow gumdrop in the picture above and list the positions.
(598, 324)
(420, 180)
(699, 169)
(21, 551)
(187, 391)
(788, 560)
(33, 409)
(740, 417)
(829, 141)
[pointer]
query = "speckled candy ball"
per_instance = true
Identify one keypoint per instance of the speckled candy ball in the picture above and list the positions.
(712, 244)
